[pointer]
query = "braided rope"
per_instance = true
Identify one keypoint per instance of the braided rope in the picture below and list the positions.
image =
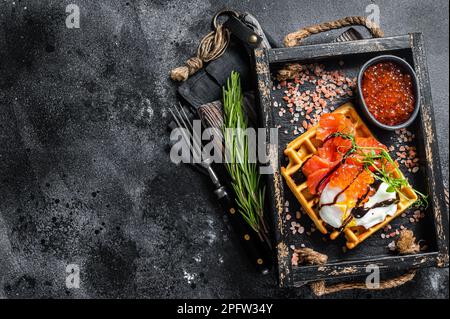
(211, 47)
(405, 245)
(319, 288)
(295, 38)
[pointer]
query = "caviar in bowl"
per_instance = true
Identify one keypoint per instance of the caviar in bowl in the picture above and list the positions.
(389, 92)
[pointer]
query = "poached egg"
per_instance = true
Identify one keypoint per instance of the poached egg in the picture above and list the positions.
(334, 210)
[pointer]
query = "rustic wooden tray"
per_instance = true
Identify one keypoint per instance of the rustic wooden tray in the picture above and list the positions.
(432, 230)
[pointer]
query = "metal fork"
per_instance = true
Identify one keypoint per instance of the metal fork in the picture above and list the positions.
(183, 122)
(254, 248)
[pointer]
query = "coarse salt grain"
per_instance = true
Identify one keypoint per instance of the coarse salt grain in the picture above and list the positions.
(392, 246)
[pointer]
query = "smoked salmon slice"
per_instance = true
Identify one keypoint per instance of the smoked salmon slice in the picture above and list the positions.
(313, 164)
(316, 179)
(334, 149)
(328, 157)
(369, 142)
(331, 123)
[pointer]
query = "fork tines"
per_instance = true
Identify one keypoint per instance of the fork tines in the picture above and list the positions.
(191, 139)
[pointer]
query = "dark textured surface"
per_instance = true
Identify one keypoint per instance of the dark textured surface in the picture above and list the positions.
(84, 173)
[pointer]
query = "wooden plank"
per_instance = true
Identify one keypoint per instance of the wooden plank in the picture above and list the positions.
(435, 178)
(273, 180)
(358, 268)
(321, 51)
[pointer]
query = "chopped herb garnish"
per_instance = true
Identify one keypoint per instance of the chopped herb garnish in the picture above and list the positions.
(379, 162)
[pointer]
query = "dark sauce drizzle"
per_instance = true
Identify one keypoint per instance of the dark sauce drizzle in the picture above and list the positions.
(359, 211)
(335, 168)
(343, 191)
(328, 175)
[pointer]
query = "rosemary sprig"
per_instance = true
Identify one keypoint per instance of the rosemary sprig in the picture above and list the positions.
(245, 177)
(377, 158)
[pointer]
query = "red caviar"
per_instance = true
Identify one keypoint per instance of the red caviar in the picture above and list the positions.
(388, 93)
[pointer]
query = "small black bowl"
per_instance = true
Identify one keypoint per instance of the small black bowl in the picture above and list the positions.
(407, 68)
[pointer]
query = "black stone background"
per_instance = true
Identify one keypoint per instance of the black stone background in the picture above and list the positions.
(85, 177)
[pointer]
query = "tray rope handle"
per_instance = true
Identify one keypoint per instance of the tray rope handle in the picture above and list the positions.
(295, 38)
(211, 47)
(291, 70)
(320, 288)
(405, 245)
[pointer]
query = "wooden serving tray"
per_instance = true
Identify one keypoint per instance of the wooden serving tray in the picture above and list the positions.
(432, 230)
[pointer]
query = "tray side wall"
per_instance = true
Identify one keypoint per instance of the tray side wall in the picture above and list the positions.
(274, 180)
(434, 172)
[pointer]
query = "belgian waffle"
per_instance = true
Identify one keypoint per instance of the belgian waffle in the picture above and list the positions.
(305, 146)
